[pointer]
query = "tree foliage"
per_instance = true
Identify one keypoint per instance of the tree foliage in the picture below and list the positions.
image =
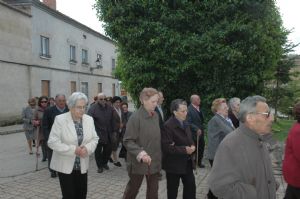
(213, 48)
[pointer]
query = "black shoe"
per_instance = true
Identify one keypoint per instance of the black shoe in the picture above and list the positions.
(44, 159)
(201, 165)
(106, 167)
(53, 175)
(118, 164)
(100, 170)
(110, 160)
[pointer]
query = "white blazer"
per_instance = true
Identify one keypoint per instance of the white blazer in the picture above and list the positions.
(63, 141)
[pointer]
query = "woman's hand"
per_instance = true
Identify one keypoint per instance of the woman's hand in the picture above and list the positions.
(190, 149)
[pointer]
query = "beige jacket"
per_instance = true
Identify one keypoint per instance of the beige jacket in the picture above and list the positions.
(63, 141)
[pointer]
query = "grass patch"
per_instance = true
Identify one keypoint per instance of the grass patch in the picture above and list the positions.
(281, 128)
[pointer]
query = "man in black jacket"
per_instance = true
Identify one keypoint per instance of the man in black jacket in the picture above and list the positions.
(102, 114)
(48, 120)
(196, 119)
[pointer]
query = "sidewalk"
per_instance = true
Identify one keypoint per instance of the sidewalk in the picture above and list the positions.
(4, 130)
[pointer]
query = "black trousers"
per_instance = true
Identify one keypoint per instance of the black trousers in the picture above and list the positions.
(74, 185)
(49, 157)
(188, 181)
(201, 147)
(292, 192)
(210, 194)
(102, 154)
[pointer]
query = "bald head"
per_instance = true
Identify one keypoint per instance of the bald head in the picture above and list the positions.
(195, 100)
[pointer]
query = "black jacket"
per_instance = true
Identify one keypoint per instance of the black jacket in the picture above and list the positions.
(196, 120)
(48, 119)
(104, 121)
(174, 140)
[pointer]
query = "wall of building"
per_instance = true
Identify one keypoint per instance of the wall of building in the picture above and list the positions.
(23, 70)
(15, 47)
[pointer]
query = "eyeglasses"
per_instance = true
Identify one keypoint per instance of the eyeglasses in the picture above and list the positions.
(44, 102)
(267, 114)
(81, 108)
(102, 99)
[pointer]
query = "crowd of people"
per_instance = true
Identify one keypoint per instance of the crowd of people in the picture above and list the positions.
(69, 131)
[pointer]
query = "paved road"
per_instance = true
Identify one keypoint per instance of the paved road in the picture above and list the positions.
(18, 178)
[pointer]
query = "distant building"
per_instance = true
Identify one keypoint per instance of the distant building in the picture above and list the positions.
(44, 52)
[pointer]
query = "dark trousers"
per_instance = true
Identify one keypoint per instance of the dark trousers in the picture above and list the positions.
(49, 157)
(188, 181)
(102, 154)
(135, 181)
(201, 147)
(292, 192)
(44, 149)
(74, 185)
(210, 194)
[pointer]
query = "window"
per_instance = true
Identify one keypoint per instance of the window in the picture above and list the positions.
(113, 89)
(45, 52)
(73, 87)
(113, 64)
(85, 88)
(46, 88)
(72, 53)
(99, 87)
(99, 60)
(84, 56)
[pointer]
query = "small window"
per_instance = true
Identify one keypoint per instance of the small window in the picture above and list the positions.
(99, 87)
(113, 64)
(73, 87)
(113, 89)
(72, 53)
(45, 52)
(46, 88)
(99, 60)
(84, 56)
(85, 88)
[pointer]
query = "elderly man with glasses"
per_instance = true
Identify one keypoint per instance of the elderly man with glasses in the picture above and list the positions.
(242, 167)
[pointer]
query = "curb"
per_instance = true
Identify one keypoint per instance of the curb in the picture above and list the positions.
(11, 132)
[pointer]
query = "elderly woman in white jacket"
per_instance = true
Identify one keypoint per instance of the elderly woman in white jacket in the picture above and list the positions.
(73, 139)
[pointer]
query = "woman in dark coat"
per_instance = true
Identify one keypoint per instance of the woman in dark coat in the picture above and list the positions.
(37, 122)
(177, 147)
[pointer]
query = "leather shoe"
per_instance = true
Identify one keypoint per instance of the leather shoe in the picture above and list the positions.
(201, 165)
(118, 164)
(100, 170)
(53, 175)
(106, 167)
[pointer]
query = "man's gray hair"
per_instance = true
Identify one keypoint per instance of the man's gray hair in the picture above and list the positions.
(233, 101)
(248, 105)
(75, 97)
(60, 95)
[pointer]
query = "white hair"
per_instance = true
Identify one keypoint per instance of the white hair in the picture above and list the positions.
(75, 97)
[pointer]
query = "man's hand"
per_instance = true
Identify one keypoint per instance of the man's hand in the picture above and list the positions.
(199, 132)
(146, 159)
(78, 151)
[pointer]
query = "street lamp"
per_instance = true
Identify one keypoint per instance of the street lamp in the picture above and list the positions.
(98, 65)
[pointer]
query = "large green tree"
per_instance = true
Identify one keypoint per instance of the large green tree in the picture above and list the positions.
(211, 47)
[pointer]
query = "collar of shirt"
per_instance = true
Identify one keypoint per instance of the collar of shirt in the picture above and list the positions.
(61, 110)
(196, 107)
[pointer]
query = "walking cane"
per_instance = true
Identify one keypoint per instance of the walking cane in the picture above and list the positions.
(197, 153)
(37, 150)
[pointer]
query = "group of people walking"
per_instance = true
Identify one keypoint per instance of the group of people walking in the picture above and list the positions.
(238, 135)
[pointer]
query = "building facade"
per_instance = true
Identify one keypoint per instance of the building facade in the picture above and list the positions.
(44, 52)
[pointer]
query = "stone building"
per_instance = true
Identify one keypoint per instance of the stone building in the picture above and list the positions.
(44, 52)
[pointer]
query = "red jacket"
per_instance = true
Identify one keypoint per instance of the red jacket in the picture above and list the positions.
(291, 162)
